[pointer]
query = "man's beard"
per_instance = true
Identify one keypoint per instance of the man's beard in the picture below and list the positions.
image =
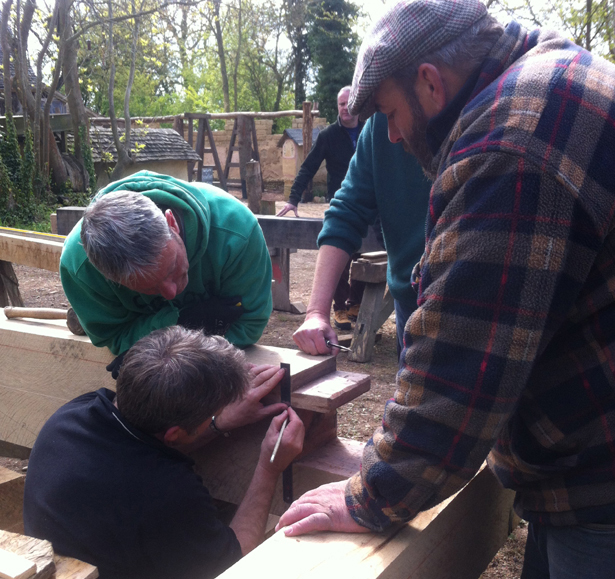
(415, 142)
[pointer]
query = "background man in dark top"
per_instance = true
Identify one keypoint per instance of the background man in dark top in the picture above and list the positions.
(335, 145)
(106, 483)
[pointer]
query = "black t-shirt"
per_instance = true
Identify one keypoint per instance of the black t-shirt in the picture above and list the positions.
(106, 493)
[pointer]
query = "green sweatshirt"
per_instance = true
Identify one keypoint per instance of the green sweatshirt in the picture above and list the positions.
(227, 256)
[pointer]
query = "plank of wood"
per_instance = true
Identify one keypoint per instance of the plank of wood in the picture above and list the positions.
(15, 567)
(36, 550)
(11, 500)
(374, 256)
(454, 540)
(331, 391)
(36, 234)
(304, 368)
(41, 253)
(367, 271)
(69, 568)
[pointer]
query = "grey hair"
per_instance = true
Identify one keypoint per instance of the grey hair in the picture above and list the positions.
(123, 234)
(343, 89)
(179, 377)
(464, 54)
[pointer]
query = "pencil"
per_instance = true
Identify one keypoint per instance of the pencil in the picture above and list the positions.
(277, 444)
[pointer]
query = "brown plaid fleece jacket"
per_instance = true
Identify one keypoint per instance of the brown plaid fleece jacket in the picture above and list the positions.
(511, 354)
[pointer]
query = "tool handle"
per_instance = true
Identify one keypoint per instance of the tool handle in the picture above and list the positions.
(38, 313)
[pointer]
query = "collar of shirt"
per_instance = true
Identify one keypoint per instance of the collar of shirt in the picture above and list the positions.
(440, 126)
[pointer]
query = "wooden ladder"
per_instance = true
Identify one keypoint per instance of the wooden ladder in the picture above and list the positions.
(204, 128)
(245, 128)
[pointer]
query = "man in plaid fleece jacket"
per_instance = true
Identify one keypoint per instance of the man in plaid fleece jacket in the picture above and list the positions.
(511, 354)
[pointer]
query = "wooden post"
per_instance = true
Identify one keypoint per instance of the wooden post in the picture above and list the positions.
(307, 143)
(191, 143)
(244, 137)
(178, 125)
(254, 186)
(9, 285)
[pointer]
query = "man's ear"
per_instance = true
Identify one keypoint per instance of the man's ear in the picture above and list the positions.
(430, 89)
(174, 436)
(171, 221)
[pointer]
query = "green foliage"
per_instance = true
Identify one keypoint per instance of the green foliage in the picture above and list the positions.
(86, 153)
(24, 195)
(6, 194)
(16, 176)
(333, 46)
(9, 149)
(570, 18)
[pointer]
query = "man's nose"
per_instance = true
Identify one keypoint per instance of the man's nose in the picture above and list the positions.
(168, 290)
(394, 135)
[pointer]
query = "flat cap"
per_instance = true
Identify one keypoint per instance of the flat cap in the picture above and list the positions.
(409, 31)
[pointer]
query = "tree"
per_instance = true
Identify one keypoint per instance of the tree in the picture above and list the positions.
(296, 14)
(588, 23)
(333, 46)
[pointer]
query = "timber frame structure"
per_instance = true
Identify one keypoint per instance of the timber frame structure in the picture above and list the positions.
(44, 365)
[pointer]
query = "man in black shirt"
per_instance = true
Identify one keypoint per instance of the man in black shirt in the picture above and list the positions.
(107, 484)
(335, 145)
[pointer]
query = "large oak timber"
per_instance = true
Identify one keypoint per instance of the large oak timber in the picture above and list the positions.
(455, 540)
(44, 366)
(33, 251)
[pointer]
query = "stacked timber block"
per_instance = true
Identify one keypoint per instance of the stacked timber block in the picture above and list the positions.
(18, 551)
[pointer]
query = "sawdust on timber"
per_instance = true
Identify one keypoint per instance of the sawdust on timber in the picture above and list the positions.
(356, 420)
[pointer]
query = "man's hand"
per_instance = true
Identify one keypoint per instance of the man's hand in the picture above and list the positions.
(322, 509)
(250, 408)
(290, 445)
(311, 336)
(288, 207)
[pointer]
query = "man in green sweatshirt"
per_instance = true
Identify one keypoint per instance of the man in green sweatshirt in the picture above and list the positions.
(153, 251)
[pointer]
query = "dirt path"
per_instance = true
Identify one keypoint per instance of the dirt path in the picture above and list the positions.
(356, 420)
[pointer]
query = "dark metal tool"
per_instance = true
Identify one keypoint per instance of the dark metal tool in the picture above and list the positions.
(287, 475)
(332, 345)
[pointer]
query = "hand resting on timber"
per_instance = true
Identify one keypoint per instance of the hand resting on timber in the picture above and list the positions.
(321, 509)
(288, 207)
(312, 335)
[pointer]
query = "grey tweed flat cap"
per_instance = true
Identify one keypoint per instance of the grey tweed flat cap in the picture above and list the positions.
(407, 32)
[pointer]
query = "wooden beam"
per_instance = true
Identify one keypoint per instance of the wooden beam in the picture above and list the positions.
(457, 539)
(44, 366)
(41, 253)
